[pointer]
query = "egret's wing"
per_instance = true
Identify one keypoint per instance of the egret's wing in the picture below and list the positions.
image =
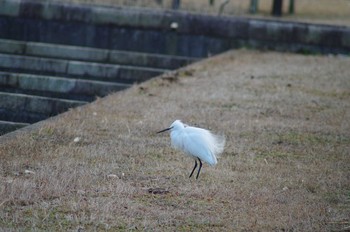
(215, 143)
(200, 143)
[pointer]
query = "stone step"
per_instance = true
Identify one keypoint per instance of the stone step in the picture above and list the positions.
(29, 109)
(57, 87)
(76, 69)
(6, 127)
(93, 54)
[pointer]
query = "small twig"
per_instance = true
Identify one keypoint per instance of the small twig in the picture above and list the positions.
(266, 161)
(3, 202)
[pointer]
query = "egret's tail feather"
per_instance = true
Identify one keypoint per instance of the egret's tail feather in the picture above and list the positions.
(220, 142)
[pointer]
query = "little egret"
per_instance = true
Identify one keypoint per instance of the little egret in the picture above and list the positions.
(198, 143)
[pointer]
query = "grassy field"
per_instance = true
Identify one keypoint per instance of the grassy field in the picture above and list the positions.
(101, 167)
(318, 11)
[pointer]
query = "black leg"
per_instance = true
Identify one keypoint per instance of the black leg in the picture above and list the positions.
(195, 165)
(199, 169)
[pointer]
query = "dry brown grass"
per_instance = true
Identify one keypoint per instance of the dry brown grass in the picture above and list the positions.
(319, 11)
(285, 167)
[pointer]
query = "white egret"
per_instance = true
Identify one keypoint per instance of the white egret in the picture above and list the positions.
(198, 143)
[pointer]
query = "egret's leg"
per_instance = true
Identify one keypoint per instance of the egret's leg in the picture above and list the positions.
(195, 165)
(199, 169)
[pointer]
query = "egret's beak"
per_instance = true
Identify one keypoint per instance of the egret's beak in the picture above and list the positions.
(164, 130)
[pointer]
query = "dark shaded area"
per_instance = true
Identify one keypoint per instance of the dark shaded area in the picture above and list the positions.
(277, 8)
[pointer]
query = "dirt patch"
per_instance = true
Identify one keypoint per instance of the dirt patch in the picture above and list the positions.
(102, 167)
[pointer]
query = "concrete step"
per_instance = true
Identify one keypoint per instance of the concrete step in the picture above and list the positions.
(29, 109)
(93, 54)
(76, 69)
(21, 117)
(6, 127)
(57, 87)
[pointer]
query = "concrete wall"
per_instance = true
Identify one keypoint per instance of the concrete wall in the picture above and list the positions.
(146, 30)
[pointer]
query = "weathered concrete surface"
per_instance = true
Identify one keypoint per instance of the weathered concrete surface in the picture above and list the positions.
(149, 30)
(30, 109)
(69, 88)
(70, 73)
(81, 69)
(6, 127)
(79, 53)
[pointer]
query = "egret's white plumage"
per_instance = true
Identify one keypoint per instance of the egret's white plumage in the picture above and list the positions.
(196, 142)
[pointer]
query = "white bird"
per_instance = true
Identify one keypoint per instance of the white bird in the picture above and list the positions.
(198, 143)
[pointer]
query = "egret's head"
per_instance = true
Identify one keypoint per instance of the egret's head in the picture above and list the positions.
(176, 125)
